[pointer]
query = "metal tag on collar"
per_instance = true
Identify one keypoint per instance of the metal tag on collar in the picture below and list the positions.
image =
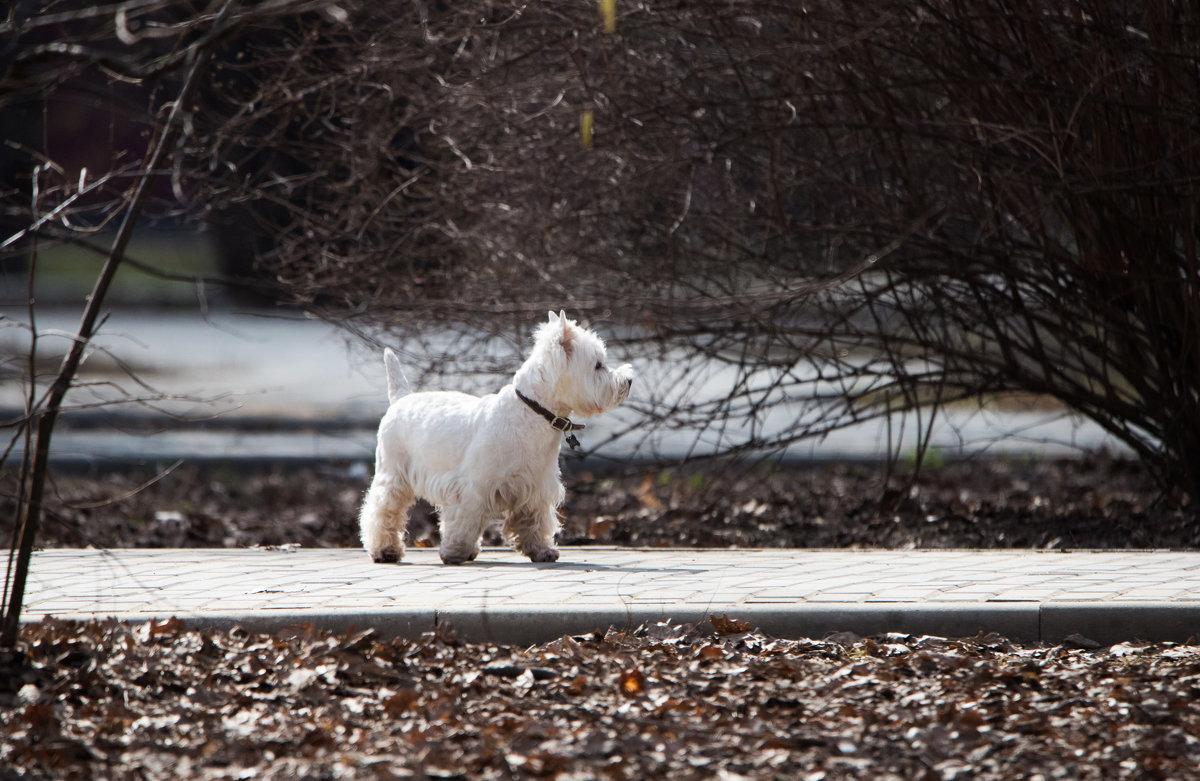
(573, 441)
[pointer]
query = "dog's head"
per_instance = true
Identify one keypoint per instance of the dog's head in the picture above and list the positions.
(569, 369)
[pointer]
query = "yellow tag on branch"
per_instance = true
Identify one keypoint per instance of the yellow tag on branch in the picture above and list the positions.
(608, 13)
(585, 129)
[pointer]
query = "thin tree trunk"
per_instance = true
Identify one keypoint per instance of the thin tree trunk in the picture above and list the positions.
(48, 416)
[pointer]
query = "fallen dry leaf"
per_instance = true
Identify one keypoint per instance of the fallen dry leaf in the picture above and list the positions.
(632, 683)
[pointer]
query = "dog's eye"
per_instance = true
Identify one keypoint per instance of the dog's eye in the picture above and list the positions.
(599, 365)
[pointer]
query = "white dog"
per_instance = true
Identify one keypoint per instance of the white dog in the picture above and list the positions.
(480, 461)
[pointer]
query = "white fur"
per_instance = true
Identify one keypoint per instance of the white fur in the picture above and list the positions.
(485, 460)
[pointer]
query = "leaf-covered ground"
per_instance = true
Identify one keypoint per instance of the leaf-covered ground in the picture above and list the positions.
(160, 701)
(157, 701)
(1091, 503)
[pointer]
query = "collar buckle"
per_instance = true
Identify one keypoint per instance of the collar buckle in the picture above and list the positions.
(559, 424)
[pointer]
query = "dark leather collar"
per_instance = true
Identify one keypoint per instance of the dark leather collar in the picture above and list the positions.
(558, 424)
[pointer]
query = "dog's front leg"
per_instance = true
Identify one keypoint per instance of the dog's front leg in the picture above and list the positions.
(532, 532)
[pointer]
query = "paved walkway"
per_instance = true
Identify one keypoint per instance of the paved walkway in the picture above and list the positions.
(1031, 596)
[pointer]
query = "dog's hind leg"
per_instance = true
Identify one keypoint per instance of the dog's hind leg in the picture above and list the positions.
(383, 518)
(461, 526)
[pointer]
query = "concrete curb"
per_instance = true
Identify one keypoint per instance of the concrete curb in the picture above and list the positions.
(1117, 622)
(1030, 623)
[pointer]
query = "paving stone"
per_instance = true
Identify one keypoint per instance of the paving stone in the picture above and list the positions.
(1029, 595)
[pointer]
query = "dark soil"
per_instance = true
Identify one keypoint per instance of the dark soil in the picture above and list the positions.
(1090, 503)
(159, 702)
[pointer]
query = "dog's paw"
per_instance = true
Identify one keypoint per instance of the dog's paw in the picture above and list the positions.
(457, 557)
(544, 556)
(388, 556)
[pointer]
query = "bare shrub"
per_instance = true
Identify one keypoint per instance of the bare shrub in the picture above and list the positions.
(862, 208)
(52, 53)
(872, 207)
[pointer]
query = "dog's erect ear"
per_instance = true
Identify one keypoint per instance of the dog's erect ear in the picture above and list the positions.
(567, 337)
(558, 331)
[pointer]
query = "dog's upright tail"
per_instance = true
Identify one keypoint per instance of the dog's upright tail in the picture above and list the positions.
(397, 384)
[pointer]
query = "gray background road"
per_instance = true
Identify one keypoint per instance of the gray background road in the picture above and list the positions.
(281, 387)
